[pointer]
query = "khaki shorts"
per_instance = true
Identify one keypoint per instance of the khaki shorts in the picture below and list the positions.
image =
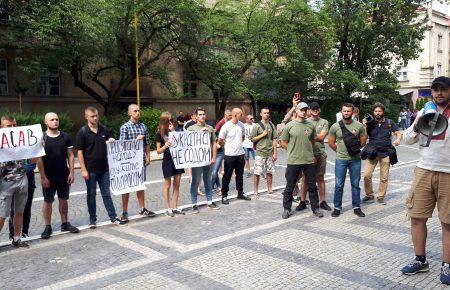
(321, 164)
(429, 187)
(263, 166)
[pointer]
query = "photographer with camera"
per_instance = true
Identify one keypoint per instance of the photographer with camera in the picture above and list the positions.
(379, 149)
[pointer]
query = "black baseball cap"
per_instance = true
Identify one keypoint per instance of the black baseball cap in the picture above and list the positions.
(441, 81)
(314, 106)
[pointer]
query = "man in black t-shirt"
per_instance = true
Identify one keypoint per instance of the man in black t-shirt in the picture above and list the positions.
(93, 157)
(58, 154)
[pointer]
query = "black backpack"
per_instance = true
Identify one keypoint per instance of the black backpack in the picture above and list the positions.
(351, 141)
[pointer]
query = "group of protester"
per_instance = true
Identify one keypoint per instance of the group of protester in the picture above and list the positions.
(406, 117)
(302, 134)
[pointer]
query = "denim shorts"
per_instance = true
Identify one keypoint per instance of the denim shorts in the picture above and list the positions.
(248, 152)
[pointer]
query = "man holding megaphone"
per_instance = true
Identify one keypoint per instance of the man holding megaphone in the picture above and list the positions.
(431, 184)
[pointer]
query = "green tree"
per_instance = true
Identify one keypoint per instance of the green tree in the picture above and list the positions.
(257, 48)
(94, 41)
(370, 35)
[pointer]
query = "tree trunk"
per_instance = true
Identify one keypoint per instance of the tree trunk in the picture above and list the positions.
(255, 107)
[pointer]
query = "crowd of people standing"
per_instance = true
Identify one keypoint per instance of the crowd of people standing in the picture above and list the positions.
(233, 143)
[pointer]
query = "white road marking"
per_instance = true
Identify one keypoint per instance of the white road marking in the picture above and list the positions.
(99, 274)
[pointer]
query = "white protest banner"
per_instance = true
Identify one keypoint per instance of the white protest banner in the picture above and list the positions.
(190, 149)
(21, 143)
(126, 166)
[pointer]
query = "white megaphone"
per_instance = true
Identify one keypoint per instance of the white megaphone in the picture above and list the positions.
(431, 123)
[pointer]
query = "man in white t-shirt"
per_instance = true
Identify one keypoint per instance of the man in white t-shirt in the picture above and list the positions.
(248, 144)
(231, 136)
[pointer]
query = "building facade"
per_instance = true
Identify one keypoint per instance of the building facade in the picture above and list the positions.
(57, 91)
(415, 78)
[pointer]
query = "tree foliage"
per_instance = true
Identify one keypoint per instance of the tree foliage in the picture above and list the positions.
(95, 41)
(370, 37)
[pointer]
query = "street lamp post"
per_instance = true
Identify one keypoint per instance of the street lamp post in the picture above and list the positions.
(138, 91)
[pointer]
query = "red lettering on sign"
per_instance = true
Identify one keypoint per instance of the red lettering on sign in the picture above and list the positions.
(21, 138)
(4, 141)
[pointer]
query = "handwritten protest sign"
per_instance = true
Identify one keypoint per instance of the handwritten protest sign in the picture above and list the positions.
(21, 143)
(126, 166)
(190, 149)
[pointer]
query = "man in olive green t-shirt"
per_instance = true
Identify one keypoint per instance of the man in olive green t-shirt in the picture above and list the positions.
(197, 172)
(298, 138)
(265, 140)
(321, 127)
(345, 161)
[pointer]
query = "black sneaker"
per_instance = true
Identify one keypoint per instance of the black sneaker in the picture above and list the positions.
(19, 244)
(367, 199)
(301, 206)
(243, 196)
(125, 217)
(286, 214)
(325, 206)
(147, 212)
(212, 205)
(178, 211)
(118, 222)
(25, 235)
(359, 212)
(225, 200)
(67, 227)
(47, 232)
(195, 209)
(317, 212)
(336, 213)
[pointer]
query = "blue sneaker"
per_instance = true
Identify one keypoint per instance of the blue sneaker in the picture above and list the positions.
(415, 267)
(445, 273)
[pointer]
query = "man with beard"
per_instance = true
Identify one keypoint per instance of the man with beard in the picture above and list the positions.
(346, 137)
(431, 185)
(379, 148)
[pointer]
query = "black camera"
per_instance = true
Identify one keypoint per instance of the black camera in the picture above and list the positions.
(369, 118)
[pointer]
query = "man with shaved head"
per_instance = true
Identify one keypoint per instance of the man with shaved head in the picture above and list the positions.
(231, 136)
(135, 130)
(58, 174)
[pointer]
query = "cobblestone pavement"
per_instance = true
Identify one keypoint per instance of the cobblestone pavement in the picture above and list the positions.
(245, 245)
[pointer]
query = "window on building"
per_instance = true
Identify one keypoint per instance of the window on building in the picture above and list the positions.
(3, 77)
(48, 85)
(402, 73)
(439, 44)
(190, 84)
(438, 70)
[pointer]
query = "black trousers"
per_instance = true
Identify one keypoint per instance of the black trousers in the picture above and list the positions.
(292, 174)
(27, 210)
(237, 164)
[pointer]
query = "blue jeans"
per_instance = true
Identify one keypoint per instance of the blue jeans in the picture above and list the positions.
(249, 152)
(340, 169)
(103, 182)
(215, 170)
(404, 123)
(196, 174)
